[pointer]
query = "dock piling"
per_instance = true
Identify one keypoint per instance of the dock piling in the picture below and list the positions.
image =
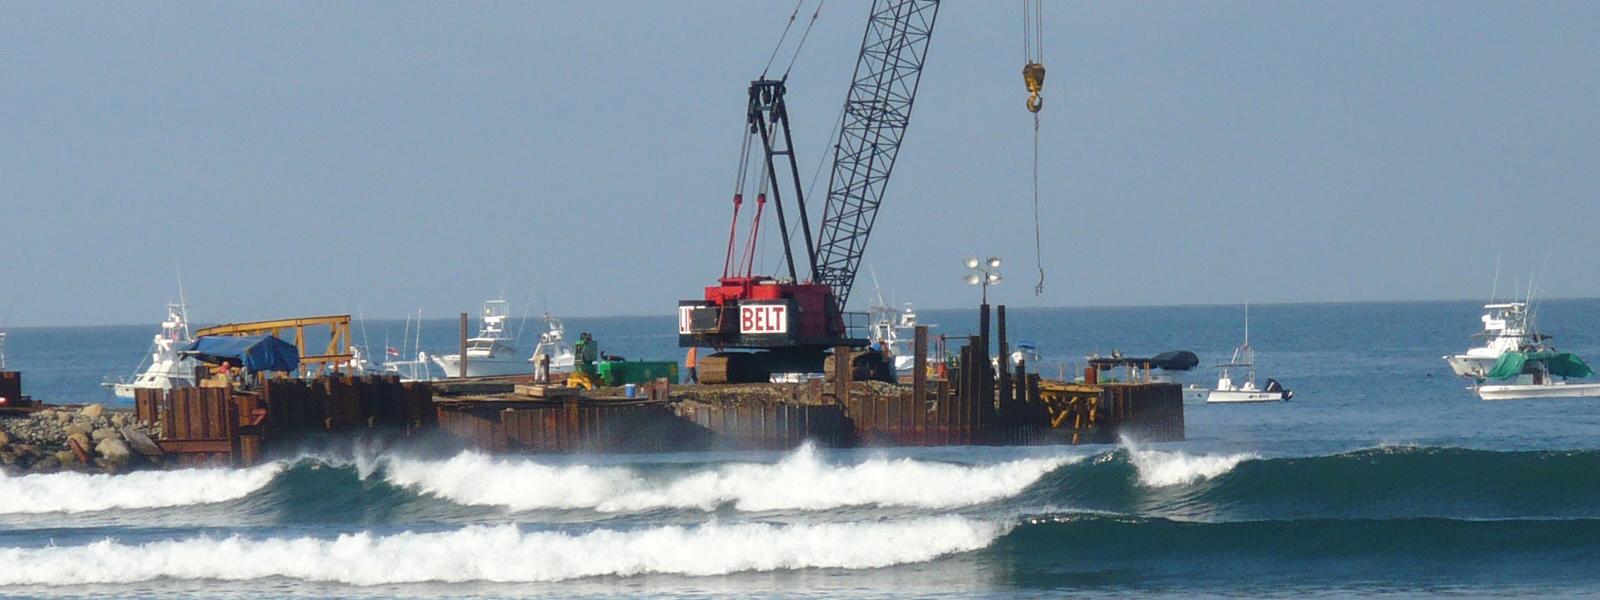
(461, 366)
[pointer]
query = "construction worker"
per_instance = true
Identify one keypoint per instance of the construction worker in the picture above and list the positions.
(690, 360)
(587, 352)
(542, 361)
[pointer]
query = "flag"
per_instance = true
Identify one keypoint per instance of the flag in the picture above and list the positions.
(392, 352)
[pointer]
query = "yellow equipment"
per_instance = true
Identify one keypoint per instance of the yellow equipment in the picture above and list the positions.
(579, 379)
(335, 355)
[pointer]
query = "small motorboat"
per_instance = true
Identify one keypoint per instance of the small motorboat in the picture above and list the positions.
(1537, 374)
(1244, 389)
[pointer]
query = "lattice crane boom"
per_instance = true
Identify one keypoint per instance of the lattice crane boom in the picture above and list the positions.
(877, 110)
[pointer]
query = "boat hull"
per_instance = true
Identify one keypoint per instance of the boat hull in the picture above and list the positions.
(1465, 365)
(1239, 396)
(483, 367)
(1535, 391)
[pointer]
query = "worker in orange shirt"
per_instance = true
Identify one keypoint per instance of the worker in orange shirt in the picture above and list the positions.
(689, 362)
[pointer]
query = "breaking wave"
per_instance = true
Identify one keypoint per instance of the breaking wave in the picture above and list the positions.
(1159, 468)
(801, 481)
(506, 553)
(81, 492)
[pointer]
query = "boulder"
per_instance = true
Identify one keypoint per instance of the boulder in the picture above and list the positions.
(10, 458)
(81, 429)
(141, 442)
(121, 419)
(66, 457)
(81, 439)
(64, 417)
(48, 464)
(114, 450)
(93, 411)
(103, 433)
(5, 438)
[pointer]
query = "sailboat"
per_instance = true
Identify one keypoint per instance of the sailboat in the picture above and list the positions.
(1245, 390)
(419, 369)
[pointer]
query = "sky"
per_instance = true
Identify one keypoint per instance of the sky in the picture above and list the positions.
(294, 158)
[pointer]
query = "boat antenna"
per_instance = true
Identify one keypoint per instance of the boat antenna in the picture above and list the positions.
(405, 337)
(527, 307)
(1533, 287)
(1247, 322)
(1494, 289)
(366, 346)
(183, 303)
(875, 287)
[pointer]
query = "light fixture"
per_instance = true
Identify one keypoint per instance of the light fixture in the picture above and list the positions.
(984, 273)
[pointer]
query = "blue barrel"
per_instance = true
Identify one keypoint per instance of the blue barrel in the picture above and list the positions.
(630, 390)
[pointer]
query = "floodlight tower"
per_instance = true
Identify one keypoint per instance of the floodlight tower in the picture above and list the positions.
(983, 273)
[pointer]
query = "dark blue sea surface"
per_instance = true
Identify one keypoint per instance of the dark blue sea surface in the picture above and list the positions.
(1384, 477)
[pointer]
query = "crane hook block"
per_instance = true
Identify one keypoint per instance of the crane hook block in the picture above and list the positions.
(1033, 75)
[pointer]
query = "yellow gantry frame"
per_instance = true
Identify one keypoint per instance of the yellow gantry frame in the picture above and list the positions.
(339, 339)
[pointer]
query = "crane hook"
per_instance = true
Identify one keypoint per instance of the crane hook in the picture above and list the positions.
(1033, 76)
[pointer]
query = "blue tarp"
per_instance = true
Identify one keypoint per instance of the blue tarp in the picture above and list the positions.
(257, 353)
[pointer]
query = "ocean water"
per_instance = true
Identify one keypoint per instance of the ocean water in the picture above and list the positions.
(1384, 476)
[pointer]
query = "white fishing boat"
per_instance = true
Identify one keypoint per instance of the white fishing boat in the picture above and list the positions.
(553, 344)
(1506, 328)
(491, 351)
(1244, 389)
(162, 368)
(895, 331)
(1537, 374)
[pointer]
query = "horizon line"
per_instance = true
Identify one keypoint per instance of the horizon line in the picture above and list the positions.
(1014, 308)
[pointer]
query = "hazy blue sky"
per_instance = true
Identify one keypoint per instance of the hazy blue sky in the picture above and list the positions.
(297, 158)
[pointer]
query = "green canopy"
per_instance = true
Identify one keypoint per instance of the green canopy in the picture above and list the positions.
(1565, 364)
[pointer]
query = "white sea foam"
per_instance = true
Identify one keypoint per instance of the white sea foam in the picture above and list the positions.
(801, 481)
(81, 492)
(1160, 468)
(506, 554)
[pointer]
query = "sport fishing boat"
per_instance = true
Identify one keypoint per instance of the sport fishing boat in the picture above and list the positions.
(1535, 374)
(1244, 389)
(1506, 328)
(491, 351)
(163, 368)
(553, 343)
(895, 330)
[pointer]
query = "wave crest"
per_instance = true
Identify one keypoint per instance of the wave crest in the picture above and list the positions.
(82, 492)
(1159, 468)
(801, 481)
(505, 553)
